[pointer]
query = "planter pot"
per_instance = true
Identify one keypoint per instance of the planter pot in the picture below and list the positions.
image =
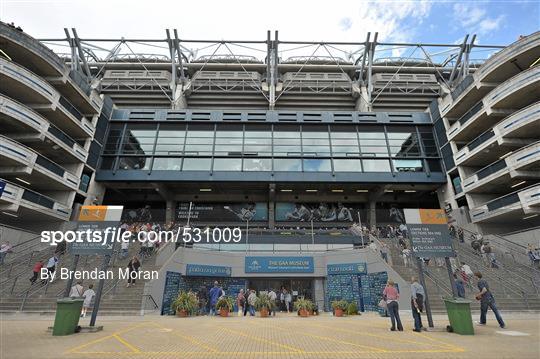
(304, 313)
(264, 312)
(181, 313)
(224, 312)
(338, 312)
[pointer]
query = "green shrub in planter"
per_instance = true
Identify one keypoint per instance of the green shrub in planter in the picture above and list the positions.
(263, 301)
(226, 303)
(340, 304)
(352, 308)
(186, 303)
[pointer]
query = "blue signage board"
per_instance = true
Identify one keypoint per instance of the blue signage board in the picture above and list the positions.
(346, 268)
(2, 187)
(279, 265)
(201, 270)
(173, 282)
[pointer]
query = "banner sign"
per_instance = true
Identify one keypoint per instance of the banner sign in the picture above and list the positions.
(202, 270)
(223, 212)
(173, 281)
(96, 218)
(317, 212)
(428, 230)
(346, 268)
(279, 265)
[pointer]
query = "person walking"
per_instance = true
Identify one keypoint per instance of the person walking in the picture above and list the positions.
(272, 296)
(5, 248)
(461, 235)
(88, 295)
(251, 302)
(288, 301)
(52, 263)
(391, 296)
(214, 295)
(240, 302)
(133, 270)
(406, 252)
(417, 303)
(35, 271)
(460, 286)
(487, 300)
(76, 290)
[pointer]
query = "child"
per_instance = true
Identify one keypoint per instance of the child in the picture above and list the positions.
(88, 295)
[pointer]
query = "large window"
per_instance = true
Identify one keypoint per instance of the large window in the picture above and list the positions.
(167, 163)
(347, 165)
(199, 140)
(315, 141)
(287, 164)
(408, 165)
(113, 140)
(139, 139)
(134, 163)
(197, 164)
(287, 141)
(317, 165)
(170, 140)
(345, 142)
(257, 164)
(372, 144)
(229, 141)
(376, 165)
(228, 164)
(258, 141)
(403, 143)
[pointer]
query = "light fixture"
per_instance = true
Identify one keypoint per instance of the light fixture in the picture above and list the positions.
(23, 181)
(389, 191)
(506, 155)
(337, 190)
(10, 214)
(311, 190)
(518, 184)
(410, 191)
(531, 216)
(205, 189)
(362, 190)
(286, 190)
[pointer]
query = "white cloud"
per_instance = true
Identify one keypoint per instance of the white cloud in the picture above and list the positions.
(345, 23)
(472, 18)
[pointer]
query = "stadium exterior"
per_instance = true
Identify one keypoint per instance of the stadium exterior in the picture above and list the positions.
(333, 135)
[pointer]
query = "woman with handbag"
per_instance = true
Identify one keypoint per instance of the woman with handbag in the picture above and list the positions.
(392, 295)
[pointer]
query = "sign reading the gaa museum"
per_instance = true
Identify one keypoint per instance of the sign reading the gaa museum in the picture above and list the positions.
(428, 231)
(279, 265)
(346, 268)
(103, 219)
(201, 270)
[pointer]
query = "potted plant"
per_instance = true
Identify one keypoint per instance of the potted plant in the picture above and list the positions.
(303, 307)
(264, 304)
(352, 309)
(225, 305)
(185, 304)
(339, 307)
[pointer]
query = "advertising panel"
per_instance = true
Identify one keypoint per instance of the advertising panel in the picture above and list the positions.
(279, 265)
(223, 212)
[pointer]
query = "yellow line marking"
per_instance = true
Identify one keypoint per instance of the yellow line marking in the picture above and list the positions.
(190, 339)
(363, 333)
(262, 340)
(98, 340)
(127, 344)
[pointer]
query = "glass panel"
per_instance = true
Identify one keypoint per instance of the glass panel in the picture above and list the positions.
(376, 165)
(197, 164)
(428, 141)
(257, 164)
(434, 165)
(113, 139)
(107, 163)
(139, 139)
(170, 140)
(167, 163)
(134, 163)
(347, 166)
(403, 144)
(227, 164)
(345, 144)
(408, 165)
(316, 143)
(287, 164)
(317, 165)
(373, 144)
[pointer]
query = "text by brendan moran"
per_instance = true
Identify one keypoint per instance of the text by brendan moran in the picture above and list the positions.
(96, 274)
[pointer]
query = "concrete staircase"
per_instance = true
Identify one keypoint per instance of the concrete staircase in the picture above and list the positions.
(17, 294)
(513, 285)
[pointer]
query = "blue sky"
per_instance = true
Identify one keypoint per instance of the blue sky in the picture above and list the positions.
(496, 22)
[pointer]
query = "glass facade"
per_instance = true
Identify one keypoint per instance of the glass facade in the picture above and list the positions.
(270, 148)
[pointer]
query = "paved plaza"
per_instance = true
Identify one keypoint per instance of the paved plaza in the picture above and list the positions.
(365, 336)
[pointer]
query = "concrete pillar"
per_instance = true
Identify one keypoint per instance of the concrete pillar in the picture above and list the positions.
(170, 211)
(372, 214)
(271, 215)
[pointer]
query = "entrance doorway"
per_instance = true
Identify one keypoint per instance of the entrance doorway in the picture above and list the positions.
(298, 287)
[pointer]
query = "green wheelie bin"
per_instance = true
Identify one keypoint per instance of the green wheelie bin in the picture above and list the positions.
(459, 315)
(68, 311)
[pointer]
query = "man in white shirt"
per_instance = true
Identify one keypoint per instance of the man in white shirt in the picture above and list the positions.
(272, 296)
(406, 256)
(76, 291)
(88, 295)
(4, 250)
(52, 263)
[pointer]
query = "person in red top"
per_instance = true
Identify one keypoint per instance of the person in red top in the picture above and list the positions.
(391, 296)
(36, 270)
